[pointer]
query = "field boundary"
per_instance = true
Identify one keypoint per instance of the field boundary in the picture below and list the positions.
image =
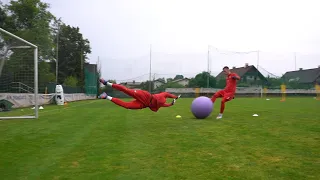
(20, 100)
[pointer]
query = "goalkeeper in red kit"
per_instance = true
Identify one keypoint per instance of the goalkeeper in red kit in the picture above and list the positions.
(227, 94)
(142, 99)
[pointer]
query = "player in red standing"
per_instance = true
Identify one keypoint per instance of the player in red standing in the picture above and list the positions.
(228, 93)
(143, 99)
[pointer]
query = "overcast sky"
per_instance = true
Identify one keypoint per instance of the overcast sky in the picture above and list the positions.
(121, 31)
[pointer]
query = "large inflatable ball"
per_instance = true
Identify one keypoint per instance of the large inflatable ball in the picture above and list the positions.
(201, 107)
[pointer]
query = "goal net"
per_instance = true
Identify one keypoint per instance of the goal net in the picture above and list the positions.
(18, 77)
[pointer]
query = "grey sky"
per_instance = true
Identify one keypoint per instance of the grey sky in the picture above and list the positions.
(121, 31)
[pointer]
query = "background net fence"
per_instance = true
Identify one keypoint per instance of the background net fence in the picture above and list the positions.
(167, 67)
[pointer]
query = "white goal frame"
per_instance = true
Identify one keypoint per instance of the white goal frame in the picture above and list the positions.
(36, 102)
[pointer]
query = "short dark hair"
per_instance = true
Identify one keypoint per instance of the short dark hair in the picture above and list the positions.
(226, 67)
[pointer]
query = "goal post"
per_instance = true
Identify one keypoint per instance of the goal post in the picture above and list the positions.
(18, 77)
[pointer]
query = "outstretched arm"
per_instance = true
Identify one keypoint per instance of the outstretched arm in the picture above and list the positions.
(169, 104)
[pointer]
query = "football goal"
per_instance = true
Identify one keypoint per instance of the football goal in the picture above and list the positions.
(18, 77)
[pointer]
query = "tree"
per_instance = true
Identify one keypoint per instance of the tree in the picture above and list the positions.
(162, 79)
(178, 77)
(45, 75)
(71, 81)
(201, 80)
(3, 15)
(72, 53)
(30, 20)
(169, 79)
(145, 85)
(221, 83)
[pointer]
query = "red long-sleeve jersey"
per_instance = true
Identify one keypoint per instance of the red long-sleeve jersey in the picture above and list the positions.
(231, 85)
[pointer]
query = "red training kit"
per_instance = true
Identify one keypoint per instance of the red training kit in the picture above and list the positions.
(228, 92)
(159, 100)
(231, 83)
(142, 98)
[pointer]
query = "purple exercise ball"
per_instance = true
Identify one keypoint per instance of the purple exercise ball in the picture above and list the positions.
(201, 107)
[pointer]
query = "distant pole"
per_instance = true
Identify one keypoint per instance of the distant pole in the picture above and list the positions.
(150, 69)
(295, 61)
(98, 65)
(57, 54)
(82, 64)
(208, 78)
(258, 58)
(57, 57)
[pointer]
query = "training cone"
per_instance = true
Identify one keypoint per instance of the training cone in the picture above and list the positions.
(178, 116)
(40, 107)
(255, 115)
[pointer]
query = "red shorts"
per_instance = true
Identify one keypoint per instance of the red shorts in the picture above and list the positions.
(227, 96)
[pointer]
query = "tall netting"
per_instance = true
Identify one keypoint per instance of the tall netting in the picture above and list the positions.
(198, 72)
(233, 59)
(91, 79)
(18, 77)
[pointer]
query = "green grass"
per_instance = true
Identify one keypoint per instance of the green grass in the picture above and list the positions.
(99, 140)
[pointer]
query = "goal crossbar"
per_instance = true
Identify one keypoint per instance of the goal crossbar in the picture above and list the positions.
(19, 38)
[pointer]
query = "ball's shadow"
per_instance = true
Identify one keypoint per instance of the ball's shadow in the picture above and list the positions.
(209, 118)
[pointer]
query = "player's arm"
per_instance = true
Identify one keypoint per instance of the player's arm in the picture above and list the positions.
(235, 76)
(169, 104)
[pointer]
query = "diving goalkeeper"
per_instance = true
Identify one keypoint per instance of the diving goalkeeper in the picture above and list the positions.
(142, 99)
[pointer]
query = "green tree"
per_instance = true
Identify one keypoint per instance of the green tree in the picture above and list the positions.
(221, 83)
(178, 76)
(30, 20)
(3, 15)
(201, 80)
(145, 85)
(72, 53)
(45, 75)
(71, 81)
(169, 79)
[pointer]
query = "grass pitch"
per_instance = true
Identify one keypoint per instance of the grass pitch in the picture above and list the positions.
(99, 140)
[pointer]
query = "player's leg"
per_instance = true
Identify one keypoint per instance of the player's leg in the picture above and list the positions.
(216, 95)
(226, 98)
(129, 92)
(135, 104)
(128, 105)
